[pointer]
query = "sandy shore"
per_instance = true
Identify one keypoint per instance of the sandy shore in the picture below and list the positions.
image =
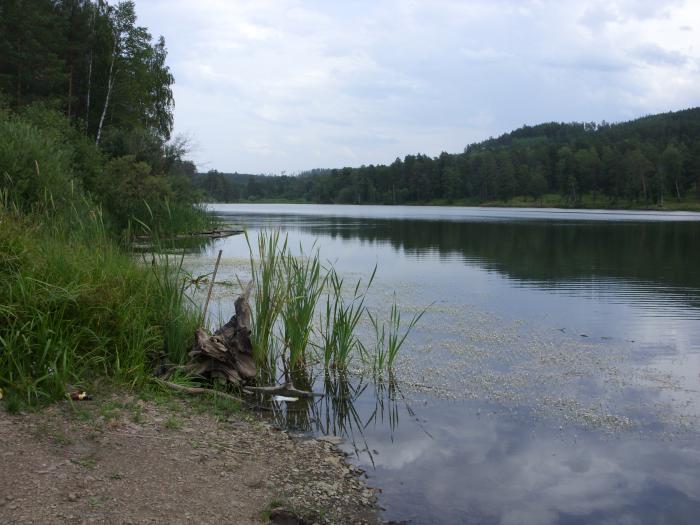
(123, 459)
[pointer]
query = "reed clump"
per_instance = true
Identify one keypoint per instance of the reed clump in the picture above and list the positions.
(305, 314)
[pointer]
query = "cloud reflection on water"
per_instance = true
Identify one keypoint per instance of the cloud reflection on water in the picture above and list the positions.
(547, 320)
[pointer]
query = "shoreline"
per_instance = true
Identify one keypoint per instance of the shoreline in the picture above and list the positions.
(690, 207)
(170, 459)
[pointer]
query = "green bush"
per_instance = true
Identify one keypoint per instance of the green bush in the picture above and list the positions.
(35, 166)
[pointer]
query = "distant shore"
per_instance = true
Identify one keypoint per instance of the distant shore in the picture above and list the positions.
(547, 201)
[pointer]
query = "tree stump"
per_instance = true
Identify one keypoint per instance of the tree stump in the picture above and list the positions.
(227, 355)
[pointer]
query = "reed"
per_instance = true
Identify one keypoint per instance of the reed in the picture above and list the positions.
(269, 290)
(389, 338)
(288, 291)
(305, 284)
(338, 335)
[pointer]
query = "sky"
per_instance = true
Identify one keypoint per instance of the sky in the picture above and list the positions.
(273, 86)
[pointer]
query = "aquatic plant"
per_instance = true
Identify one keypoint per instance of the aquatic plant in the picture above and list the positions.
(269, 289)
(389, 338)
(339, 324)
(289, 288)
(305, 284)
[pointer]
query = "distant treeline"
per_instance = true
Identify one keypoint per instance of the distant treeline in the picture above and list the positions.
(644, 161)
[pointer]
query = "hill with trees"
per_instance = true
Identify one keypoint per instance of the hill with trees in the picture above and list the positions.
(654, 160)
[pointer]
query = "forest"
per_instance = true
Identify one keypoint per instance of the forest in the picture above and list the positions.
(86, 106)
(87, 162)
(651, 161)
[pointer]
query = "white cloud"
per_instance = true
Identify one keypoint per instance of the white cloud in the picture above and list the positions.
(289, 85)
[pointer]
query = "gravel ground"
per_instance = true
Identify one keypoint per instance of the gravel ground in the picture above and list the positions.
(121, 459)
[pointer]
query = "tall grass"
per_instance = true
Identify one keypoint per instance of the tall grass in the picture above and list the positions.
(76, 306)
(269, 289)
(163, 219)
(338, 331)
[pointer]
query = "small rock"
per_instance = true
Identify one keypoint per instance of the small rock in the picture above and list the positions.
(72, 496)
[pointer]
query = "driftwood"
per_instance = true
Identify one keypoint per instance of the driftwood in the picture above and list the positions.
(287, 389)
(198, 391)
(211, 234)
(228, 354)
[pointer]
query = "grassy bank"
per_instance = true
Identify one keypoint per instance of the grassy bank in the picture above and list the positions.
(75, 303)
(74, 306)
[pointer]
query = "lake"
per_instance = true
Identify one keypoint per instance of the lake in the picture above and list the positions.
(554, 378)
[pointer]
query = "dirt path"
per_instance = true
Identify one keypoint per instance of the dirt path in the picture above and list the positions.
(166, 460)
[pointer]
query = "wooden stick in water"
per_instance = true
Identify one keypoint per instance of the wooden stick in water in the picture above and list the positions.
(211, 285)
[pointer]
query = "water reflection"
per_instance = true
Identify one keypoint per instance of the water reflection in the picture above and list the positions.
(335, 413)
(561, 329)
(483, 466)
(475, 462)
(537, 251)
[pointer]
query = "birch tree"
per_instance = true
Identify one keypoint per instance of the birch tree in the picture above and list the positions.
(122, 19)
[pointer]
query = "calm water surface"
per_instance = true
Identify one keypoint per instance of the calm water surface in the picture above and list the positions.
(554, 379)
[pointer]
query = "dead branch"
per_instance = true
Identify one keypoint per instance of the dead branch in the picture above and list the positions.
(287, 389)
(198, 390)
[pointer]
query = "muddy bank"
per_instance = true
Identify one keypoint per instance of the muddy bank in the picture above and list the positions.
(122, 459)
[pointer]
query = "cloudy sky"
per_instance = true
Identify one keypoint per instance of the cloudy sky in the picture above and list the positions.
(265, 86)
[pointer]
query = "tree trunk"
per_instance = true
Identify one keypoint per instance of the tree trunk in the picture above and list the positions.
(228, 354)
(110, 83)
(89, 79)
(70, 89)
(18, 94)
(87, 102)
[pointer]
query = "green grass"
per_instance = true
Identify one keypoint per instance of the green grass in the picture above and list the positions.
(172, 423)
(589, 201)
(338, 333)
(269, 288)
(75, 306)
